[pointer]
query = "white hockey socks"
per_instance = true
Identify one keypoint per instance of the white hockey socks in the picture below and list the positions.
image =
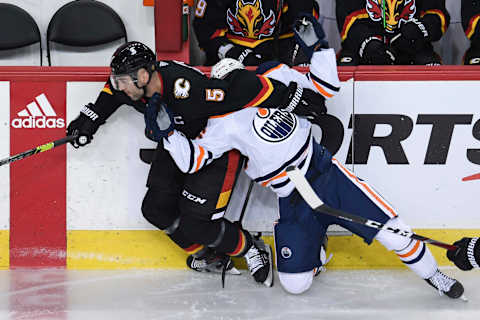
(413, 253)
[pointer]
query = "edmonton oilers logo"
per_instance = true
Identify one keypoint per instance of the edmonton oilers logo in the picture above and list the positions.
(286, 252)
(274, 125)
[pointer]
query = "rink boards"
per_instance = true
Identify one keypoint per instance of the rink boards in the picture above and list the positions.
(416, 141)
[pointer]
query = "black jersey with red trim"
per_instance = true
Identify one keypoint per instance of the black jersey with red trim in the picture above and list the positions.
(249, 23)
(361, 19)
(471, 19)
(193, 97)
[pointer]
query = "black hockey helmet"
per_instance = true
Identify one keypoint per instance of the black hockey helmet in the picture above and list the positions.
(130, 57)
(127, 60)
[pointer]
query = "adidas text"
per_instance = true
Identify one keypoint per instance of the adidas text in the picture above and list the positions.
(38, 122)
(38, 114)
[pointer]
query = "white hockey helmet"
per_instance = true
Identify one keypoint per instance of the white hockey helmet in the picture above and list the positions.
(223, 67)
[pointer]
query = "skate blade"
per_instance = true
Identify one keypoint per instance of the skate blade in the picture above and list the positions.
(463, 298)
(234, 271)
(269, 281)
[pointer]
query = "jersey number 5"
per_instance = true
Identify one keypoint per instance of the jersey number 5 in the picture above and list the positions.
(214, 95)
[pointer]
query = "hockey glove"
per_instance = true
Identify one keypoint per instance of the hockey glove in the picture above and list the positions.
(413, 37)
(309, 34)
(84, 126)
(373, 51)
(245, 55)
(158, 119)
(467, 256)
(304, 102)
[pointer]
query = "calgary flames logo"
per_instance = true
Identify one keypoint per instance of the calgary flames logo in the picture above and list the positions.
(249, 20)
(396, 12)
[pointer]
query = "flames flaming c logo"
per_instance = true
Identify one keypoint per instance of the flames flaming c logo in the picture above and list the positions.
(396, 12)
(249, 20)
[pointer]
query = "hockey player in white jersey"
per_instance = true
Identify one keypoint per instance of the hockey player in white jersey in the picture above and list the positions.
(273, 139)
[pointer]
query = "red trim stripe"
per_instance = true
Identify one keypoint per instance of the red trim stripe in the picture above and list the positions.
(267, 88)
(241, 244)
(233, 162)
(472, 177)
(218, 33)
(193, 248)
(350, 19)
(472, 25)
(440, 15)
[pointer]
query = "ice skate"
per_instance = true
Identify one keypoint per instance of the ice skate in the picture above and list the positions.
(208, 260)
(446, 285)
(259, 262)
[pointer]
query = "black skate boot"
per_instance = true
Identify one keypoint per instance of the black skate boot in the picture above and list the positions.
(446, 285)
(207, 260)
(259, 262)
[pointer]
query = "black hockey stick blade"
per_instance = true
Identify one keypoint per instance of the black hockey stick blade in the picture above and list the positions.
(41, 148)
(308, 194)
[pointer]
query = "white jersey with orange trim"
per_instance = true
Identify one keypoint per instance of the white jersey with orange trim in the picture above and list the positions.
(271, 139)
(322, 76)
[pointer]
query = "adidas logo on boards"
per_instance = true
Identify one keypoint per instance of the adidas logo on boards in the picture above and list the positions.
(39, 114)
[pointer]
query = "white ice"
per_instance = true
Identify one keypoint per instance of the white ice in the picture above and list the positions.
(181, 294)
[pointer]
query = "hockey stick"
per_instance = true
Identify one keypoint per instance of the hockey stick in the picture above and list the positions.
(245, 203)
(244, 208)
(308, 194)
(42, 148)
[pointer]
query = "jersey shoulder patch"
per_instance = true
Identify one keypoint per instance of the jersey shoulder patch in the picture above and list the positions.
(181, 88)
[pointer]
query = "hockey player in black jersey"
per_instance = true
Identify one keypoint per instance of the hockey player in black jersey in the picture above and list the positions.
(251, 31)
(273, 140)
(471, 26)
(386, 32)
(197, 225)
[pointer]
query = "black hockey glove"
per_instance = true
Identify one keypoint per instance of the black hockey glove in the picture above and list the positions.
(84, 126)
(159, 122)
(373, 51)
(304, 102)
(413, 37)
(467, 256)
(246, 56)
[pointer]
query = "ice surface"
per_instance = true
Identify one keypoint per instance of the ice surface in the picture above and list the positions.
(182, 294)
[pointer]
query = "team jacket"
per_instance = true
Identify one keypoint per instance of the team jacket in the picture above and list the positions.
(249, 23)
(193, 97)
(471, 19)
(361, 19)
(272, 139)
